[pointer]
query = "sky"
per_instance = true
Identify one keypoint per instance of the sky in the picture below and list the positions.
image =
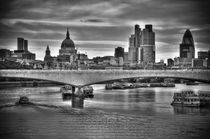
(97, 27)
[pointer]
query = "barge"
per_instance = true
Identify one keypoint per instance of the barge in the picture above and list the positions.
(191, 98)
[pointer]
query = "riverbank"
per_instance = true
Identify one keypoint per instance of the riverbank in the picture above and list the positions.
(117, 85)
(27, 84)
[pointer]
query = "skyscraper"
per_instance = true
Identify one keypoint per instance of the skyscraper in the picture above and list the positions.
(187, 48)
(142, 46)
(147, 45)
(20, 44)
(25, 45)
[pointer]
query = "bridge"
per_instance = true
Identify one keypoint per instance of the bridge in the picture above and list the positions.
(81, 78)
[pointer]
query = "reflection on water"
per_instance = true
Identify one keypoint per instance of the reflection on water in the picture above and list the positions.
(77, 102)
(134, 113)
(186, 110)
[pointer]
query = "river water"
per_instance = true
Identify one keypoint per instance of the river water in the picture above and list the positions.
(132, 113)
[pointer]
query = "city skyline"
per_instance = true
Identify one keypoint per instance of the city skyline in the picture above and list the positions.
(98, 27)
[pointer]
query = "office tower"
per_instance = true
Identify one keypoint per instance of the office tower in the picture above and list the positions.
(142, 45)
(20, 44)
(147, 45)
(187, 48)
(119, 52)
(25, 45)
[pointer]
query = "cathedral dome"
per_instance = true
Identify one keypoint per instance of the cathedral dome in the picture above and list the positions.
(67, 43)
(188, 38)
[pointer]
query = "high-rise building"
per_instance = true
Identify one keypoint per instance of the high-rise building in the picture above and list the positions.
(119, 52)
(132, 53)
(187, 48)
(147, 45)
(142, 45)
(20, 44)
(25, 45)
(22, 50)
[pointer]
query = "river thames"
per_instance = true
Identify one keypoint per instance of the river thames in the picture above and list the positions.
(132, 113)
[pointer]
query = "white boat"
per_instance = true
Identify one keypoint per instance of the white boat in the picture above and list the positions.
(186, 98)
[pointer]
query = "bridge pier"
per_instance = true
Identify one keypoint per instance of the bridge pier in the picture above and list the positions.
(77, 102)
(73, 90)
(77, 98)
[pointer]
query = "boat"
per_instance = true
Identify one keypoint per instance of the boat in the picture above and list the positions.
(192, 83)
(23, 101)
(88, 92)
(119, 85)
(204, 98)
(186, 98)
(66, 91)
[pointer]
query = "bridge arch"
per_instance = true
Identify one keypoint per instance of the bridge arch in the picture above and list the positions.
(204, 81)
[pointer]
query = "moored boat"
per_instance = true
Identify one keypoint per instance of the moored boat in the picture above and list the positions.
(192, 83)
(66, 91)
(88, 92)
(186, 98)
(23, 101)
(204, 97)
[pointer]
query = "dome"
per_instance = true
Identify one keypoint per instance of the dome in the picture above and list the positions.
(67, 43)
(188, 38)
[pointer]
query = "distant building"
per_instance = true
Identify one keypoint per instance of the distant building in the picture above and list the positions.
(119, 52)
(182, 62)
(147, 50)
(187, 48)
(22, 52)
(47, 54)
(170, 62)
(20, 44)
(82, 61)
(25, 46)
(197, 63)
(48, 59)
(132, 50)
(187, 51)
(82, 56)
(203, 54)
(126, 57)
(5, 53)
(142, 46)
(206, 63)
(68, 52)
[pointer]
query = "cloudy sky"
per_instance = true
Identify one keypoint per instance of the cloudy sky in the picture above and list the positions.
(98, 26)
